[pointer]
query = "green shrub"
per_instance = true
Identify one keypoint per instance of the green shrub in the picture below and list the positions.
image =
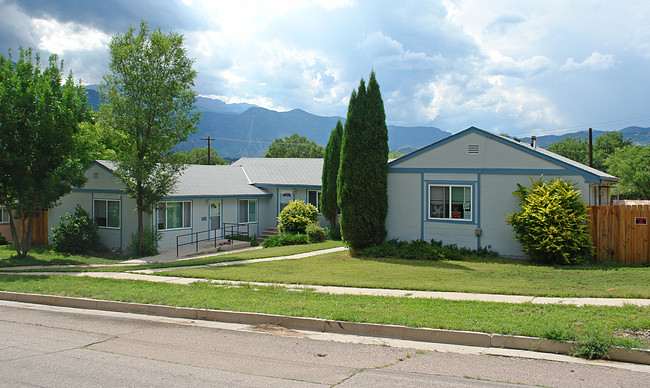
(3, 240)
(295, 217)
(151, 238)
(315, 232)
(333, 233)
(593, 345)
(551, 224)
(76, 233)
(285, 239)
(242, 237)
(422, 250)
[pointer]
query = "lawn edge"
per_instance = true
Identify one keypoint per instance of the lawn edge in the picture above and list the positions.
(455, 337)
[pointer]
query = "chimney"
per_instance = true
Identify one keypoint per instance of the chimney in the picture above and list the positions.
(533, 141)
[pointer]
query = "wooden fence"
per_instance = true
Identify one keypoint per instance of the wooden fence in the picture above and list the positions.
(620, 233)
(39, 230)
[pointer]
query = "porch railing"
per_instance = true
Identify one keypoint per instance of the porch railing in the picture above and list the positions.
(228, 231)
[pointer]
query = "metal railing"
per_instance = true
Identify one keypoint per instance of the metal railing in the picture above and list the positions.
(228, 231)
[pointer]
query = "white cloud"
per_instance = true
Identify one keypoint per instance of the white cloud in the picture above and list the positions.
(58, 38)
(596, 61)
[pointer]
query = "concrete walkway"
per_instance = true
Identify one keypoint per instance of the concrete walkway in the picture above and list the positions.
(149, 275)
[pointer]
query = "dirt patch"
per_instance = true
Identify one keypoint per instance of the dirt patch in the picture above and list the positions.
(277, 330)
(643, 335)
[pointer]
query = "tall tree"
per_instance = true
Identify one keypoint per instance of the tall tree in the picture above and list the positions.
(40, 155)
(149, 98)
(328, 203)
(294, 146)
(632, 165)
(577, 148)
(574, 148)
(362, 179)
(200, 156)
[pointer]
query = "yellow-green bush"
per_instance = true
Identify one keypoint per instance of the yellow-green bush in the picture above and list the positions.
(295, 217)
(551, 224)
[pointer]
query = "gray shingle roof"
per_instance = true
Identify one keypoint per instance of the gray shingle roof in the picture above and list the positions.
(296, 172)
(215, 181)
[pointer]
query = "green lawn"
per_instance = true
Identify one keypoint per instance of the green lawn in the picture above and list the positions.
(44, 255)
(557, 322)
(57, 258)
(493, 276)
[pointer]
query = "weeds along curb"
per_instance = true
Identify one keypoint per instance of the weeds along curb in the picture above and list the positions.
(455, 337)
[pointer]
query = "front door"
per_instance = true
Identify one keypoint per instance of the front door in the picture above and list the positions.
(215, 215)
(286, 196)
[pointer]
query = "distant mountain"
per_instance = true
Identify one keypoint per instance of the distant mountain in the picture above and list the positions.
(638, 135)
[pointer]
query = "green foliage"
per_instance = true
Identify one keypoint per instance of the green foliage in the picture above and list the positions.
(295, 217)
(315, 232)
(422, 250)
(200, 156)
(362, 179)
(574, 148)
(3, 240)
(328, 203)
(242, 237)
(593, 345)
(577, 148)
(551, 224)
(632, 165)
(294, 146)
(151, 237)
(150, 100)
(41, 155)
(333, 233)
(76, 233)
(283, 239)
(396, 154)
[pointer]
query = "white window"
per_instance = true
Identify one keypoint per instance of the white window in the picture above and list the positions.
(247, 210)
(450, 202)
(313, 197)
(4, 215)
(107, 213)
(174, 215)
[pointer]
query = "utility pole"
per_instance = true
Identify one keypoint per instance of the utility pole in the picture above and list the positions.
(208, 139)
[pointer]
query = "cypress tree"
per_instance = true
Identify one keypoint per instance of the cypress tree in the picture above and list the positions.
(362, 179)
(328, 204)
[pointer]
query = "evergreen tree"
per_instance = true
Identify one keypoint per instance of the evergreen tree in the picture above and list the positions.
(362, 179)
(328, 204)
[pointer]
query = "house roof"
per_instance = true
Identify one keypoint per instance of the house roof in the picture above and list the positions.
(208, 182)
(542, 153)
(283, 172)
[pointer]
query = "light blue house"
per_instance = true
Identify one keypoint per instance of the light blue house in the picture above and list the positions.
(243, 198)
(458, 190)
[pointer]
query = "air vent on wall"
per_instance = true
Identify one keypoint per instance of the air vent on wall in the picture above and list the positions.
(472, 148)
(95, 175)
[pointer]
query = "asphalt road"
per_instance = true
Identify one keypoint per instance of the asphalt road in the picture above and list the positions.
(51, 346)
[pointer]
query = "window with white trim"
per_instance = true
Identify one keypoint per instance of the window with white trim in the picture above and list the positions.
(247, 210)
(313, 197)
(450, 202)
(4, 215)
(174, 215)
(107, 213)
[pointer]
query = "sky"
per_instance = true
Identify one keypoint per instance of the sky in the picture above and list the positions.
(517, 67)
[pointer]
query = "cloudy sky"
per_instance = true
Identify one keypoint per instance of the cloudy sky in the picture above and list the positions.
(517, 67)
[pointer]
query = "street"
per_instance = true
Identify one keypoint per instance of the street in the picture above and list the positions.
(53, 346)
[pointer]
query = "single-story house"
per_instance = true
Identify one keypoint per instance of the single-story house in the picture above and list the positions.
(247, 196)
(459, 189)
(5, 229)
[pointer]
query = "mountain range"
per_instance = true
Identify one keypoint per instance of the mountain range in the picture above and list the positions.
(247, 130)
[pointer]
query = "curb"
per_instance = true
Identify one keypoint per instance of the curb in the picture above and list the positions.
(455, 337)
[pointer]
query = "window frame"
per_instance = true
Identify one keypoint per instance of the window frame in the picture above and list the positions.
(318, 194)
(449, 202)
(106, 207)
(182, 217)
(248, 213)
(5, 215)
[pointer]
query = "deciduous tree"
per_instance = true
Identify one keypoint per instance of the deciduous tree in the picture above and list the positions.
(294, 146)
(40, 155)
(149, 98)
(632, 165)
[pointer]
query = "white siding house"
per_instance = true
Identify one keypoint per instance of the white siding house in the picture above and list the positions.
(459, 189)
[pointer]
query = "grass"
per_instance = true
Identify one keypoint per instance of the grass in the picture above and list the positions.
(44, 255)
(491, 276)
(234, 256)
(556, 322)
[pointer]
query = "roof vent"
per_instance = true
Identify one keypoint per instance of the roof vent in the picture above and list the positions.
(472, 148)
(95, 175)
